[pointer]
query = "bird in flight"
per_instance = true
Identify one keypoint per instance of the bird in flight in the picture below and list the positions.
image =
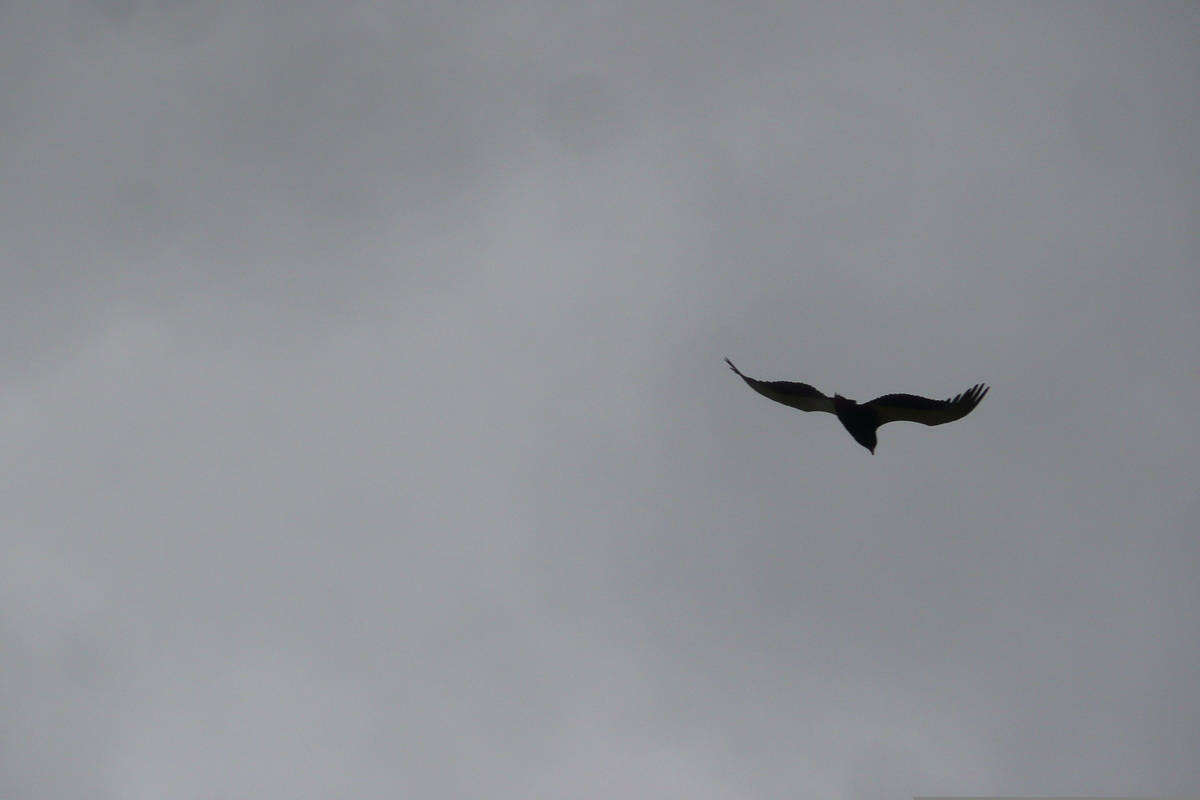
(863, 419)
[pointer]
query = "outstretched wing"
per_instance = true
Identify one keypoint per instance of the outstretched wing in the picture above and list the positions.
(796, 395)
(910, 408)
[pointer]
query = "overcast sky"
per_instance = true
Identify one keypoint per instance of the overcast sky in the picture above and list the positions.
(364, 430)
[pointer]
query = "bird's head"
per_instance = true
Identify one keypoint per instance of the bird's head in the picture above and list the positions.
(867, 438)
(840, 402)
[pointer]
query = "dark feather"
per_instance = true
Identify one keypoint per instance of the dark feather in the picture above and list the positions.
(911, 408)
(796, 395)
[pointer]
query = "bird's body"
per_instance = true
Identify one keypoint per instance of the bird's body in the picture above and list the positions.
(862, 420)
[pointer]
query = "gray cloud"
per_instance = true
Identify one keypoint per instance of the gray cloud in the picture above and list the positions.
(366, 434)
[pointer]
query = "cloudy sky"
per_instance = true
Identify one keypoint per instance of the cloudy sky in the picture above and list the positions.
(364, 430)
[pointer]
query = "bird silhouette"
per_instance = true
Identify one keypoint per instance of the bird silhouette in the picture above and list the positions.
(862, 420)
